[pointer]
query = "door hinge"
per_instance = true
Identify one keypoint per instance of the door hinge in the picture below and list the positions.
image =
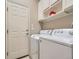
(7, 31)
(7, 9)
(7, 53)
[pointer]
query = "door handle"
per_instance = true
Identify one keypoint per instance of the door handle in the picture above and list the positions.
(27, 33)
(7, 53)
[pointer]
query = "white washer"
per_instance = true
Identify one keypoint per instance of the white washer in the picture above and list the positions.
(35, 42)
(58, 45)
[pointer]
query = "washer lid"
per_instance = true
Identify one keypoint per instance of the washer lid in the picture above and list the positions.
(35, 36)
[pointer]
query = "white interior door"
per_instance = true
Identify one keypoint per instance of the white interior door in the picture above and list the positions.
(17, 25)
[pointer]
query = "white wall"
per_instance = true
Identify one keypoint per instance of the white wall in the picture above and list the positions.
(65, 22)
(35, 26)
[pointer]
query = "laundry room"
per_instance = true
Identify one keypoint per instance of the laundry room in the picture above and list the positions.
(39, 29)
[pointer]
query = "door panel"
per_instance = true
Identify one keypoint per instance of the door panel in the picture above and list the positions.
(18, 18)
(21, 2)
(17, 24)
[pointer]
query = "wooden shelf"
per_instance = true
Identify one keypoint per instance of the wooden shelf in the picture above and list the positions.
(56, 7)
(62, 13)
(54, 4)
